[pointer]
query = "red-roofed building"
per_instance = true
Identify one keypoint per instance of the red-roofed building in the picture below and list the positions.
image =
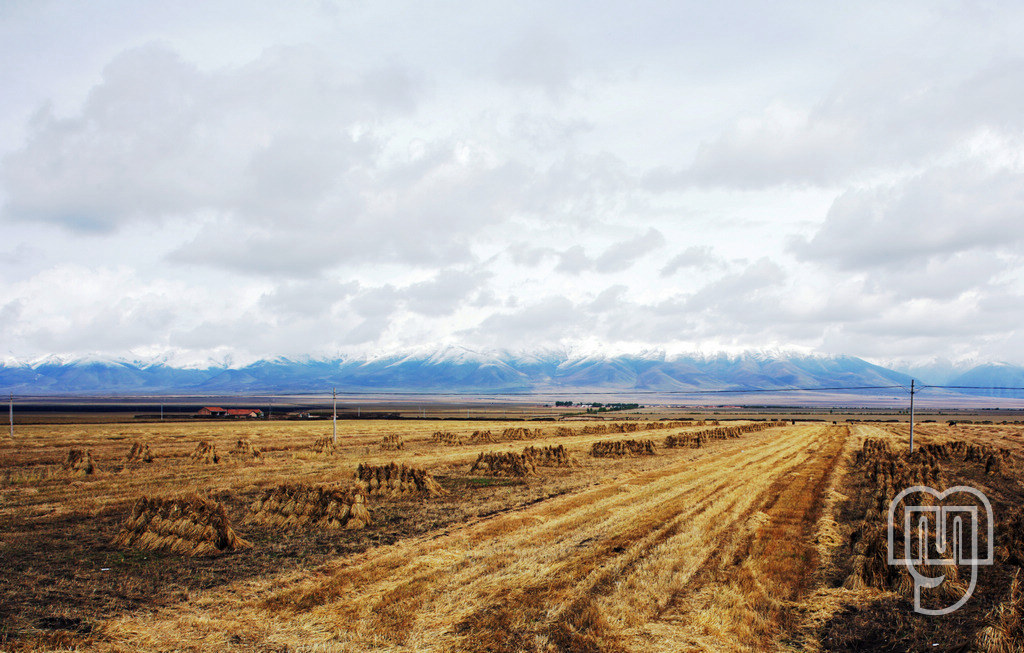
(245, 412)
(212, 411)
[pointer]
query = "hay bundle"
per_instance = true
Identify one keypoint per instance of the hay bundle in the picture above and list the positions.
(397, 479)
(565, 431)
(245, 451)
(1009, 537)
(503, 464)
(520, 433)
(1004, 630)
(291, 505)
(80, 462)
(139, 454)
(481, 436)
(392, 442)
(205, 453)
(324, 446)
(445, 437)
(191, 526)
(692, 440)
(623, 448)
(556, 456)
(994, 464)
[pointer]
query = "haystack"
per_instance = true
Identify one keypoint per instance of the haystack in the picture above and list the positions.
(245, 451)
(324, 446)
(552, 456)
(520, 433)
(191, 526)
(503, 464)
(293, 505)
(397, 479)
(139, 454)
(205, 453)
(392, 442)
(481, 436)
(691, 440)
(623, 448)
(80, 462)
(445, 437)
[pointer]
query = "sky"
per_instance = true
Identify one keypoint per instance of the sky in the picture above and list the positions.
(227, 181)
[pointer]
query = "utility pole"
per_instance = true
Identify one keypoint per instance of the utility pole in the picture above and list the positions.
(161, 412)
(12, 416)
(911, 415)
(334, 438)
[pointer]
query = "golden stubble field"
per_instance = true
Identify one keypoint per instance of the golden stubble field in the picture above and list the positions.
(743, 543)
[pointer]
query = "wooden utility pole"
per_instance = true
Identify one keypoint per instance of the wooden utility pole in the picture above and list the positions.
(12, 415)
(334, 438)
(911, 415)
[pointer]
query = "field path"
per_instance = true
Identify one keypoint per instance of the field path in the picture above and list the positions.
(712, 552)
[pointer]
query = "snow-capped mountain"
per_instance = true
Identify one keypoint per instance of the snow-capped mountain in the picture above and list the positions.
(455, 369)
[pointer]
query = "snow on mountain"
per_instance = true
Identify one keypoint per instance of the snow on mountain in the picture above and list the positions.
(462, 369)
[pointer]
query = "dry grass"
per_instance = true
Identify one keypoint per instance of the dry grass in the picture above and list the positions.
(191, 526)
(735, 545)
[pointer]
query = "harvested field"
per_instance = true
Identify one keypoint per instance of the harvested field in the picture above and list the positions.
(744, 543)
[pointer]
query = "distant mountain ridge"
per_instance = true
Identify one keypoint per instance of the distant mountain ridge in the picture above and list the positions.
(452, 369)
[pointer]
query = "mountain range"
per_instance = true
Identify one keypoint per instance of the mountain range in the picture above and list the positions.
(458, 369)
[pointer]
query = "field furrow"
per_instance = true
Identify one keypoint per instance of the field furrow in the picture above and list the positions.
(643, 561)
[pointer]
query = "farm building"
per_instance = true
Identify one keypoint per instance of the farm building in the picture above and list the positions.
(217, 411)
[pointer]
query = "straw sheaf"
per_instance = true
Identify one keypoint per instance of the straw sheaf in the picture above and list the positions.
(80, 462)
(302, 505)
(205, 453)
(521, 433)
(392, 442)
(191, 526)
(393, 479)
(445, 437)
(552, 456)
(139, 453)
(503, 464)
(244, 450)
(481, 436)
(324, 446)
(623, 448)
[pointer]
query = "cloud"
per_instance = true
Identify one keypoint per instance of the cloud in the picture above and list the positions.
(698, 256)
(940, 212)
(616, 258)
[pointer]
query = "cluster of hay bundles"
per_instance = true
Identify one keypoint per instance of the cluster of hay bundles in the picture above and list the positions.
(191, 526)
(692, 440)
(481, 436)
(887, 470)
(503, 464)
(520, 433)
(311, 505)
(205, 453)
(397, 479)
(623, 448)
(392, 442)
(324, 446)
(245, 451)
(139, 454)
(445, 437)
(557, 456)
(80, 462)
